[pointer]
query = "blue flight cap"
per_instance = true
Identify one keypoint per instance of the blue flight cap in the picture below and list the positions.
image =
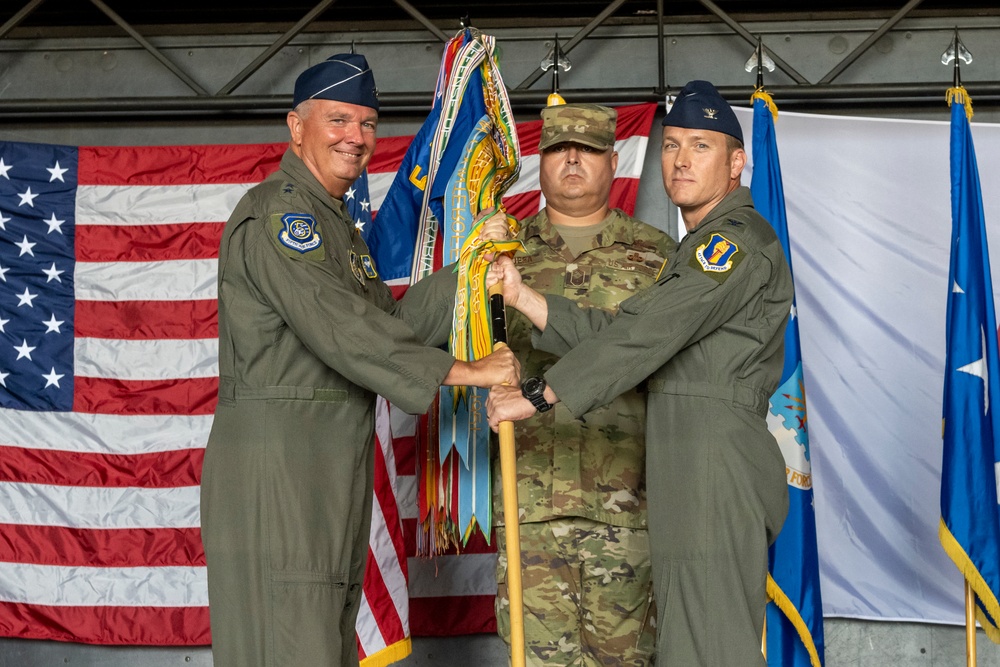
(345, 77)
(699, 106)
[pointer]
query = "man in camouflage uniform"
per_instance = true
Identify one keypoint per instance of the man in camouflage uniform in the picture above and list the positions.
(308, 334)
(581, 484)
(708, 340)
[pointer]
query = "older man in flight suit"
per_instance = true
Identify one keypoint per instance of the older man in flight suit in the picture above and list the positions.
(308, 335)
(709, 337)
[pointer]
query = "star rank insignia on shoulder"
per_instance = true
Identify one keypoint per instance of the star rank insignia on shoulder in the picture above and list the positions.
(716, 257)
(297, 232)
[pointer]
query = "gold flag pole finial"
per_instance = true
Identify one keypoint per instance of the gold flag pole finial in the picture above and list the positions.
(555, 60)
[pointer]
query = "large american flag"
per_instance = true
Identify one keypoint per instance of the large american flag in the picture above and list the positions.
(108, 379)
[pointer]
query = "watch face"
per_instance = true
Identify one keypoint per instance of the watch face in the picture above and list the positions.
(533, 386)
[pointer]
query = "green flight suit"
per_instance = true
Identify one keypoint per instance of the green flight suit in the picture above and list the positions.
(308, 335)
(585, 599)
(709, 336)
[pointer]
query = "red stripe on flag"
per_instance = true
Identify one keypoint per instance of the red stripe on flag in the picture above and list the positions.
(150, 626)
(404, 450)
(523, 205)
(389, 624)
(193, 396)
(148, 243)
(109, 547)
(177, 165)
(454, 615)
(624, 192)
(147, 320)
(161, 470)
(389, 154)
(386, 498)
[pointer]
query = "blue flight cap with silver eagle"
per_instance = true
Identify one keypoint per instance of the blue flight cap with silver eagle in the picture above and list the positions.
(699, 106)
(345, 77)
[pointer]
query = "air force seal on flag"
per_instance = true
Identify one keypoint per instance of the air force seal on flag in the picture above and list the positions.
(299, 232)
(716, 257)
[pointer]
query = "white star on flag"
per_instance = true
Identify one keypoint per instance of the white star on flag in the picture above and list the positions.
(26, 246)
(2, 272)
(27, 197)
(3, 378)
(979, 369)
(53, 324)
(3, 221)
(4, 168)
(24, 350)
(365, 205)
(2, 323)
(26, 298)
(57, 173)
(358, 225)
(349, 194)
(53, 273)
(53, 378)
(54, 224)
(793, 313)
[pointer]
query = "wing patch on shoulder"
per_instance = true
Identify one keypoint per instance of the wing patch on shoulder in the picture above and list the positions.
(717, 257)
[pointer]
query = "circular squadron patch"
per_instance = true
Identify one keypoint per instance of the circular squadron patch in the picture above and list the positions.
(299, 232)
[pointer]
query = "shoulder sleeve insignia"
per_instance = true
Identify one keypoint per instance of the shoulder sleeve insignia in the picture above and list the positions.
(368, 264)
(716, 257)
(298, 232)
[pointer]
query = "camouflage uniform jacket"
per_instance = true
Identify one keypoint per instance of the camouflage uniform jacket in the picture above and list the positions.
(593, 467)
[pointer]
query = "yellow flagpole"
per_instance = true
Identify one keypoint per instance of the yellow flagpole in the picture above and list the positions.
(511, 514)
(970, 625)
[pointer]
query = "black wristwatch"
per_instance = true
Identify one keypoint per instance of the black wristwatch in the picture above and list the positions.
(533, 389)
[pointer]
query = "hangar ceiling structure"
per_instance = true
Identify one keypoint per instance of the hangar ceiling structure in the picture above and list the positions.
(101, 58)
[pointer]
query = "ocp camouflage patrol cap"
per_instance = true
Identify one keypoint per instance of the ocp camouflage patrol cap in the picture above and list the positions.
(345, 77)
(588, 124)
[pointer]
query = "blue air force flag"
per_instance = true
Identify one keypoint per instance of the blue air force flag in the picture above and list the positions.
(795, 621)
(970, 521)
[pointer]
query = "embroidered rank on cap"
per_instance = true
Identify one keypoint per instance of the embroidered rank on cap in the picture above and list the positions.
(716, 257)
(299, 232)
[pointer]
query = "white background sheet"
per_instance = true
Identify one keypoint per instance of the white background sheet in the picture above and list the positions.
(869, 222)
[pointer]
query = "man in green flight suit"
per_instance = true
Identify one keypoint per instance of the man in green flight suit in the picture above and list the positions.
(308, 335)
(708, 338)
(581, 482)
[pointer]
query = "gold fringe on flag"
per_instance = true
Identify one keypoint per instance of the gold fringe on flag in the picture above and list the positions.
(761, 94)
(787, 607)
(961, 95)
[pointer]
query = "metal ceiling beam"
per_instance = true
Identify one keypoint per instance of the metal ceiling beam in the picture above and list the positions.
(177, 71)
(576, 39)
(986, 93)
(867, 44)
(745, 34)
(16, 19)
(414, 13)
(274, 48)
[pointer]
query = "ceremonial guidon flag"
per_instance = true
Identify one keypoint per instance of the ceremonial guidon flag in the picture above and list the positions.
(109, 378)
(795, 621)
(970, 520)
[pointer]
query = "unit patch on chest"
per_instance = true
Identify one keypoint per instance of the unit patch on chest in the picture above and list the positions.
(297, 232)
(717, 257)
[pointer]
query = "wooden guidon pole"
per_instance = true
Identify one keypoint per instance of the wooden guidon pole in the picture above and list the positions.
(970, 625)
(508, 473)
